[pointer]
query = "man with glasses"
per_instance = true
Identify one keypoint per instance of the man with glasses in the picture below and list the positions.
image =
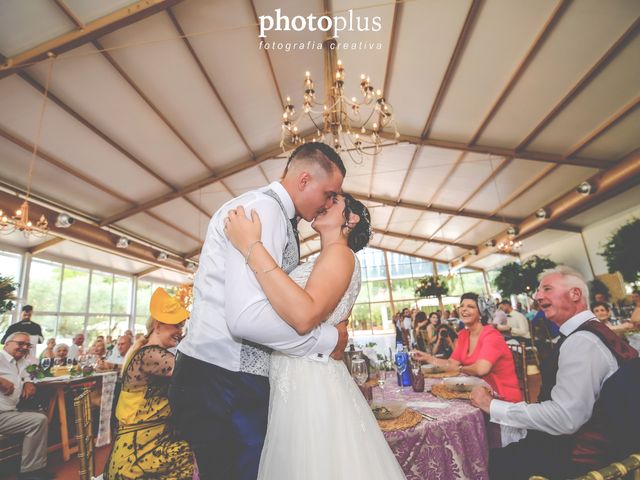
(15, 384)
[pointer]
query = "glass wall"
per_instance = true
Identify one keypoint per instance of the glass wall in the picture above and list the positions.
(143, 297)
(9, 267)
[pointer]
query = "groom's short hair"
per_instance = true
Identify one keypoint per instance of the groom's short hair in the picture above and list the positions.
(317, 153)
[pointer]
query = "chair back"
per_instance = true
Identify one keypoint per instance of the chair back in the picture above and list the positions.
(84, 434)
(627, 469)
(10, 454)
(519, 354)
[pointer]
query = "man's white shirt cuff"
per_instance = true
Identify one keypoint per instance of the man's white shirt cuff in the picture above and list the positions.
(498, 411)
(327, 340)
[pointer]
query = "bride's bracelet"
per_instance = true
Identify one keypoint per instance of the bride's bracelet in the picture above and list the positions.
(246, 257)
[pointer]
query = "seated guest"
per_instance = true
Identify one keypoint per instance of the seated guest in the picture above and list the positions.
(48, 352)
(145, 445)
(14, 385)
(602, 311)
(566, 435)
(98, 349)
(517, 322)
(420, 328)
(434, 322)
(635, 315)
(60, 354)
(481, 351)
(77, 347)
(117, 358)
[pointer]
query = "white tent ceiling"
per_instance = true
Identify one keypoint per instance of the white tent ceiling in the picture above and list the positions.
(503, 106)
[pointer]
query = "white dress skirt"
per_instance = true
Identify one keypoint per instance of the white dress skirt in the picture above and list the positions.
(320, 426)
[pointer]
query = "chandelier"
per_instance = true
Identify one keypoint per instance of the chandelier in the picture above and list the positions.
(511, 244)
(346, 124)
(20, 222)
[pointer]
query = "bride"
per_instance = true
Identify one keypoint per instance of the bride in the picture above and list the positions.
(320, 426)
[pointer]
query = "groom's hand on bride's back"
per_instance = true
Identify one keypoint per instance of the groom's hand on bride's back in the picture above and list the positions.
(343, 339)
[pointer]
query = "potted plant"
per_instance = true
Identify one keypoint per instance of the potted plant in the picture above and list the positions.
(621, 252)
(522, 278)
(7, 294)
(430, 286)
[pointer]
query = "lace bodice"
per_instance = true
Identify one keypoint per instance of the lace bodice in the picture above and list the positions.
(301, 274)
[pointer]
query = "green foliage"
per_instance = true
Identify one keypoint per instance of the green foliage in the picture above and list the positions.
(522, 278)
(7, 295)
(432, 287)
(621, 251)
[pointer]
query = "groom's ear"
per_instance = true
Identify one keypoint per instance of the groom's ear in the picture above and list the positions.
(304, 178)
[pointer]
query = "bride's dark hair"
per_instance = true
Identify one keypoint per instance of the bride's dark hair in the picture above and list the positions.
(360, 234)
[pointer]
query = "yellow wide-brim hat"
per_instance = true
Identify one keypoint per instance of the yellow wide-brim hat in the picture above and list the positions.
(166, 309)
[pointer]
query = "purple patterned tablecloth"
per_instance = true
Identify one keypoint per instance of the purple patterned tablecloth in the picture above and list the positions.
(454, 446)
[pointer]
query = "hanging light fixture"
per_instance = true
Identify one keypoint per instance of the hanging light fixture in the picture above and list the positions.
(20, 221)
(351, 125)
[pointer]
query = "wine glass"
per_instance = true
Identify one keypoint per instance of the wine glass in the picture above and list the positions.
(401, 367)
(58, 361)
(359, 371)
(45, 363)
(382, 378)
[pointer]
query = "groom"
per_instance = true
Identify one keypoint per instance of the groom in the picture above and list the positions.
(220, 387)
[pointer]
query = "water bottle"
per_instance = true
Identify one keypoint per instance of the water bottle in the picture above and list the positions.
(402, 363)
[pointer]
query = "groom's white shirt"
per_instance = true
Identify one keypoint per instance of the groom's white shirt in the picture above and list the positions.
(229, 303)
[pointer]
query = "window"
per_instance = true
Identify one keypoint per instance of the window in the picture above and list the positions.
(10, 268)
(75, 290)
(44, 286)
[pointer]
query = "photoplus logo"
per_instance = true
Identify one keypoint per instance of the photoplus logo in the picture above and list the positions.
(324, 23)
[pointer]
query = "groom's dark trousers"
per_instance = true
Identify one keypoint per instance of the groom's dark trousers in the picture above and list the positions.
(223, 416)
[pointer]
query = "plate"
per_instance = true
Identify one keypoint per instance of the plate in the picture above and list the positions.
(462, 384)
(429, 368)
(387, 410)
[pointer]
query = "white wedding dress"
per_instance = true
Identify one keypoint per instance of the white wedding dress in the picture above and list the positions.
(320, 425)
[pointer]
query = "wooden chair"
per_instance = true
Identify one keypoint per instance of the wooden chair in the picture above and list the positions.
(10, 454)
(627, 469)
(84, 434)
(519, 353)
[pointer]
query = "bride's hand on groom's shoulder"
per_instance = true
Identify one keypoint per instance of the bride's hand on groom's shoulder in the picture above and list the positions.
(240, 230)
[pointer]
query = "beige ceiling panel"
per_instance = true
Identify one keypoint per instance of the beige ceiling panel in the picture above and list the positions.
(418, 67)
(473, 170)
(586, 30)
(429, 250)
(88, 256)
(554, 185)
(403, 220)
(410, 246)
(429, 171)
(610, 208)
(493, 261)
(450, 253)
(219, 33)
(429, 223)
(358, 177)
(508, 182)
(311, 245)
(389, 242)
(304, 229)
(184, 215)
(455, 227)
(17, 240)
(391, 168)
(482, 232)
(617, 142)
(87, 83)
(53, 183)
(25, 24)
(380, 215)
(274, 169)
(168, 276)
(211, 197)
(246, 180)
(157, 232)
(609, 92)
(500, 38)
(89, 11)
(192, 107)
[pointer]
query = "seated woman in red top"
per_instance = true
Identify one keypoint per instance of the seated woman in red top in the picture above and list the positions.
(481, 351)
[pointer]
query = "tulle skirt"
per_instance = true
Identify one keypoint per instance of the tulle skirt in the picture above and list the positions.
(321, 427)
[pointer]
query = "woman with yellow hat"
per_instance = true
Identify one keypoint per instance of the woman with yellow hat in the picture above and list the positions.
(145, 445)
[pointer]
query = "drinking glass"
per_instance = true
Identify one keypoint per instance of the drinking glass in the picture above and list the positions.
(45, 363)
(359, 371)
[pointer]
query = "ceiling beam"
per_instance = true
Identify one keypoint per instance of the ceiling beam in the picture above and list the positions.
(535, 47)
(419, 238)
(500, 151)
(622, 176)
(147, 271)
(602, 62)
(89, 234)
(41, 247)
(92, 30)
(463, 38)
(69, 13)
(213, 178)
(434, 208)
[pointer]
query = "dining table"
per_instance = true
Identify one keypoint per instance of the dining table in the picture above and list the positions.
(450, 443)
